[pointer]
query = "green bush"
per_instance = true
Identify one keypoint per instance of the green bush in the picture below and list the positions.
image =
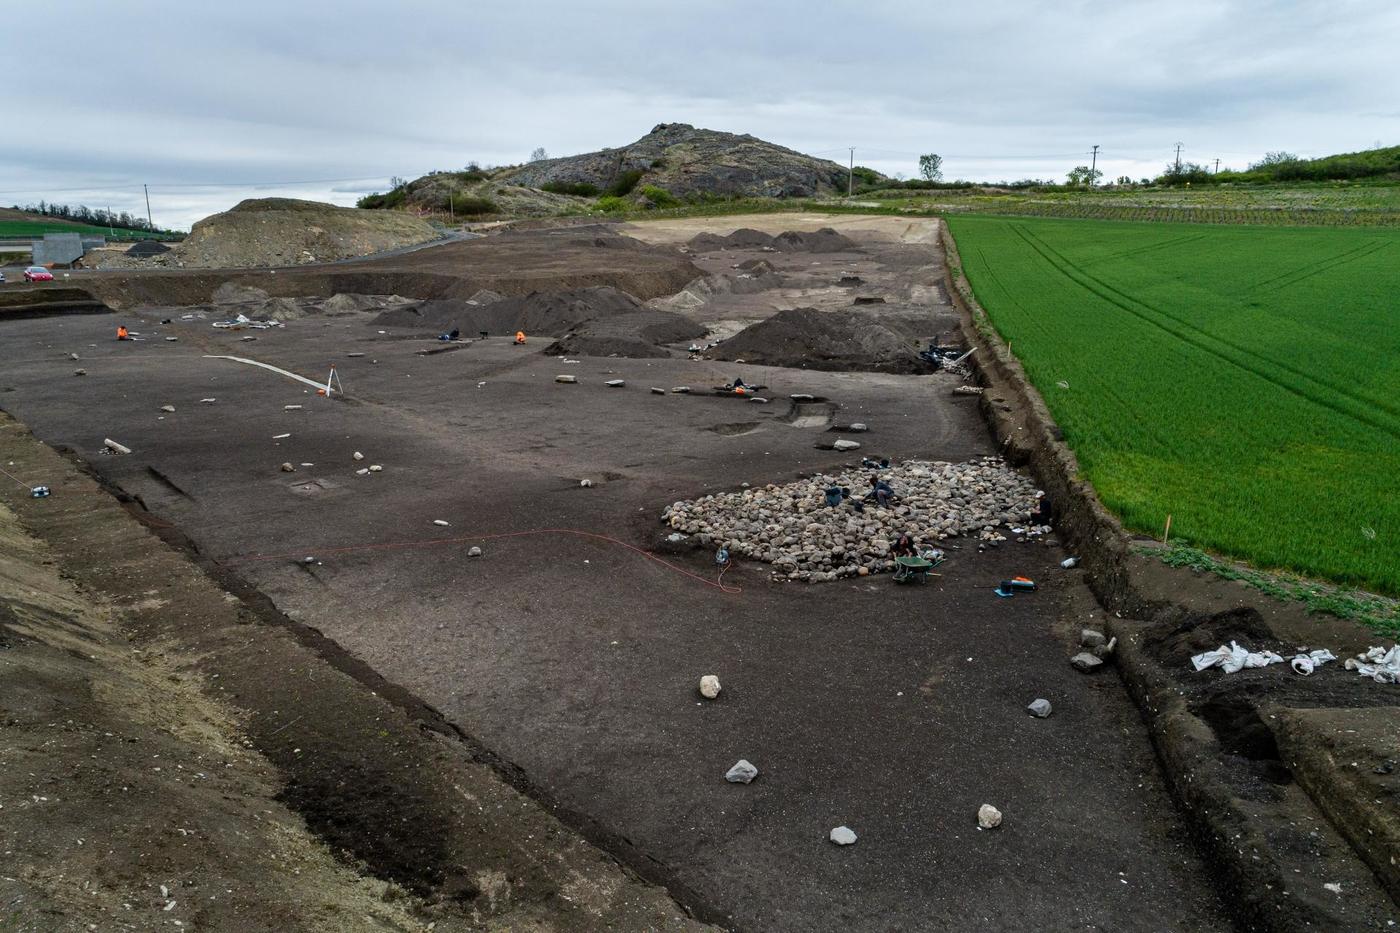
(379, 201)
(624, 183)
(613, 204)
(660, 196)
(582, 189)
(469, 206)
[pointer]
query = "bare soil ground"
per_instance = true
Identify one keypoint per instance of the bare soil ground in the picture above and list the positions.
(573, 659)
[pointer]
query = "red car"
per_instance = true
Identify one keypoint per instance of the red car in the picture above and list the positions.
(37, 274)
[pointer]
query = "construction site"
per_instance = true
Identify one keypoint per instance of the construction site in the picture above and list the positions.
(655, 575)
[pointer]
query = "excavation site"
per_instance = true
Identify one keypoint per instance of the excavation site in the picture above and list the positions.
(654, 575)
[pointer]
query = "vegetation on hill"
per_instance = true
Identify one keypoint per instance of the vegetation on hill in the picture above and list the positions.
(1276, 167)
(37, 219)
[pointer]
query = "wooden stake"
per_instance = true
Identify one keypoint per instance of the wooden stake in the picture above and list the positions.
(1167, 530)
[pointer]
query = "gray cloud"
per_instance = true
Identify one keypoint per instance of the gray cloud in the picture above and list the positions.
(257, 93)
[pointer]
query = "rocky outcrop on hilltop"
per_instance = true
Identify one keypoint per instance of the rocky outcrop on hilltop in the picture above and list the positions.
(685, 160)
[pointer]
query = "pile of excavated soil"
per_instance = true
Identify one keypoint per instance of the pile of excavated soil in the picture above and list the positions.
(792, 527)
(550, 314)
(825, 240)
(1177, 637)
(146, 248)
(231, 299)
(286, 232)
(806, 338)
(697, 293)
(639, 335)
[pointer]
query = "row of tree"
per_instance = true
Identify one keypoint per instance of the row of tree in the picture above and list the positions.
(85, 215)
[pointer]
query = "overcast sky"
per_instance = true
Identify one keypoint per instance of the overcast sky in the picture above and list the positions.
(211, 102)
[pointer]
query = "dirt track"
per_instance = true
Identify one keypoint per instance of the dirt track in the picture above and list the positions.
(894, 711)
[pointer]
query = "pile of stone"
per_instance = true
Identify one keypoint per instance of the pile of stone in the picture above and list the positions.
(792, 527)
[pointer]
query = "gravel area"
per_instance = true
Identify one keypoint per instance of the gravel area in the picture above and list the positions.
(793, 528)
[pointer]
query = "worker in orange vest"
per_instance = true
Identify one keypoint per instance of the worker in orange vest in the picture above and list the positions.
(519, 337)
(121, 332)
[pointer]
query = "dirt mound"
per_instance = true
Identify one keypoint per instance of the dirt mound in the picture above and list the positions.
(683, 160)
(828, 340)
(638, 335)
(231, 293)
(1175, 639)
(825, 240)
(594, 235)
(342, 303)
(281, 232)
(147, 248)
(703, 289)
(549, 314)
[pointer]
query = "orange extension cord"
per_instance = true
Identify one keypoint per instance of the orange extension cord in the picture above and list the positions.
(717, 583)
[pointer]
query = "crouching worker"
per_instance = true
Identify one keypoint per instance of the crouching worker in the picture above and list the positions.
(519, 338)
(121, 332)
(835, 495)
(881, 491)
(904, 546)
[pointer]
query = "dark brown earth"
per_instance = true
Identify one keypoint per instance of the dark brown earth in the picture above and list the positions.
(177, 754)
(574, 659)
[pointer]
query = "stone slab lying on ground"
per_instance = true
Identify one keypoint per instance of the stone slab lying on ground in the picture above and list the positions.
(792, 527)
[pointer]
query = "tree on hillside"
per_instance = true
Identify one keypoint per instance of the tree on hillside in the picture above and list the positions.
(931, 166)
(539, 155)
(1274, 158)
(1082, 176)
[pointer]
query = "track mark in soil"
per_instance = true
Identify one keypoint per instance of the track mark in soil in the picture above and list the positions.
(1216, 346)
(168, 483)
(735, 428)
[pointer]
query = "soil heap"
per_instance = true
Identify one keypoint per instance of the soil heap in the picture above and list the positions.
(792, 527)
(285, 232)
(685, 160)
(551, 314)
(637, 335)
(825, 240)
(144, 248)
(839, 341)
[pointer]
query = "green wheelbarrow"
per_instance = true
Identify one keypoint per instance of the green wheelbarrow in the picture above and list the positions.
(912, 569)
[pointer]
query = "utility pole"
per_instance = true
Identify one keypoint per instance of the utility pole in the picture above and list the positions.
(851, 178)
(1093, 166)
(150, 222)
(1217, 167)
(1178, 158)
(110, 232)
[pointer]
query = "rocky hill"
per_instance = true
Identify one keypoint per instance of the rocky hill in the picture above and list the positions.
(685, 160)
(283, 232)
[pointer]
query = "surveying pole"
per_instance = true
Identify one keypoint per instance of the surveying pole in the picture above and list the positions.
(1093, 166)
